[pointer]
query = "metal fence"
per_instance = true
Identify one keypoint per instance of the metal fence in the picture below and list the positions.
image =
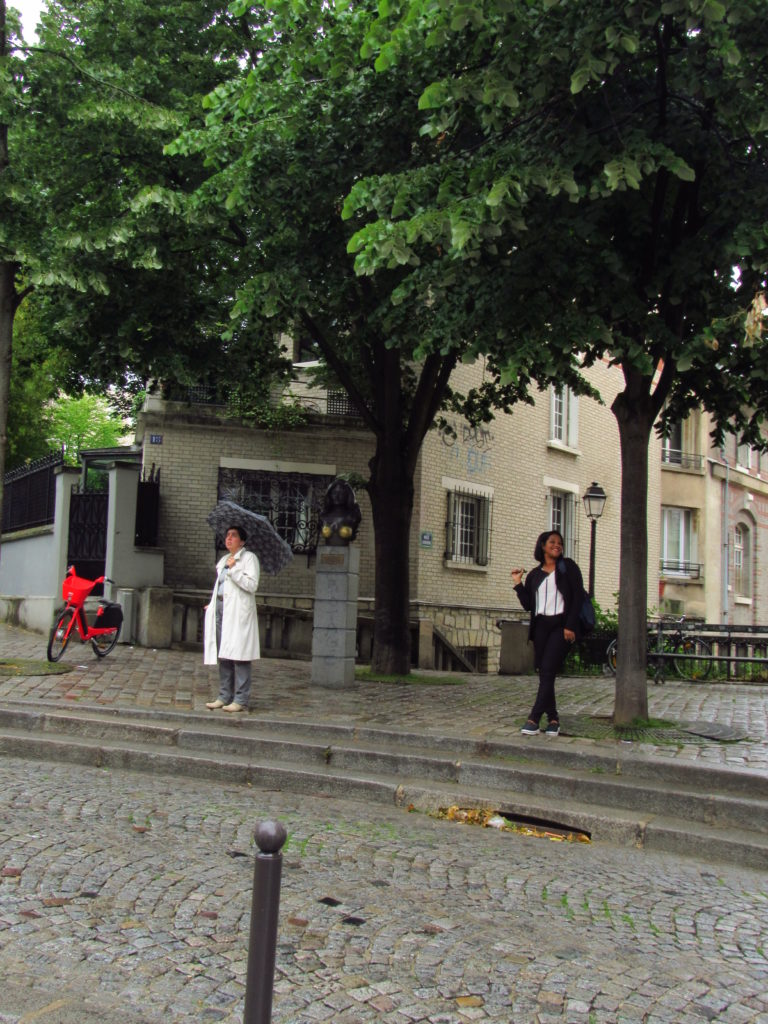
(29, 494)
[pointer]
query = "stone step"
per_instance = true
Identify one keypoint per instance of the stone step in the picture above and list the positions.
(598, 758)
(574, 793)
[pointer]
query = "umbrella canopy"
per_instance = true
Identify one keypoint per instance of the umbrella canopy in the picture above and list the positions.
(262, 538)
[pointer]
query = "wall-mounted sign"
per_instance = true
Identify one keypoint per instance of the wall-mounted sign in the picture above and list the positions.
(426, 538)
(155, 438)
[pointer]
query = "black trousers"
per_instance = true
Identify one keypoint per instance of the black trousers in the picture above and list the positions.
(550, 648)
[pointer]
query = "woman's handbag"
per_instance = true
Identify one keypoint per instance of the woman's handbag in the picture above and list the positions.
(586, 613)
(586, 608)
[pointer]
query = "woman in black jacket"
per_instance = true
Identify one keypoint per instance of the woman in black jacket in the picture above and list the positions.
(552, 593)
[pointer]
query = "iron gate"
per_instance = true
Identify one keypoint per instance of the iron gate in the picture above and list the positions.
(87, 546)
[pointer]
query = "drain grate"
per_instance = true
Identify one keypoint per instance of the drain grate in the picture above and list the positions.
(540, 828)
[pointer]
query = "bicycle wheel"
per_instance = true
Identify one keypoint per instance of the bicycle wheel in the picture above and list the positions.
(691, 667)
(62, 630)
(105, 642)
(610, 655)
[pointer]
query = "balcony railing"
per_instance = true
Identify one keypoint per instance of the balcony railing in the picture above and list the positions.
(332, 402)
(685, 460)
(672, 567)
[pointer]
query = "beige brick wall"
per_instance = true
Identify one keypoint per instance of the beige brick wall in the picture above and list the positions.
(512, 455)
(194, 441)
(703, 490)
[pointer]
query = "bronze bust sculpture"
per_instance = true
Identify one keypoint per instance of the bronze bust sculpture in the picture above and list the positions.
(340, 516)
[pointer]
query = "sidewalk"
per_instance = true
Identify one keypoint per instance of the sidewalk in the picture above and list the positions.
(483, 707)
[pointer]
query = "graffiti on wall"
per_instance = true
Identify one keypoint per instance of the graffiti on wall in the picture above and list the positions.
(468, 445)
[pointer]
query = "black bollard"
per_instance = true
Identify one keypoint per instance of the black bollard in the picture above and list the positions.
(265, 906)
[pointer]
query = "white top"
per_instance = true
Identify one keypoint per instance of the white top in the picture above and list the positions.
(549, 600)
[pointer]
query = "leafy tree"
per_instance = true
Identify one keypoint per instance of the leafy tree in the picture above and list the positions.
(35, 381)
(87, 421)
(606, 166)
(88, 228)
(285, 143)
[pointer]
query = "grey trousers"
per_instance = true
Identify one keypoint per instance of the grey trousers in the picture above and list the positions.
(234, 676)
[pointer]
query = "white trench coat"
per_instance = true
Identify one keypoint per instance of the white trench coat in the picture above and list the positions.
(240, 624)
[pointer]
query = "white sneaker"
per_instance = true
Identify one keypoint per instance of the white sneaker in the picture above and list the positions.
(234, 706)
(214, 705)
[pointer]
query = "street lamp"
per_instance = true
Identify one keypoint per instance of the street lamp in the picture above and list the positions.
(594, 503)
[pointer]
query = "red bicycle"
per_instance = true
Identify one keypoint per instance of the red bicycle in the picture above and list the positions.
(105, 630)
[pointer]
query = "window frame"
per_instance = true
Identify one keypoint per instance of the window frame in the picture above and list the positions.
(468, 524)
(562, 516)
(563, 417)
(742, 561)
(686, 543)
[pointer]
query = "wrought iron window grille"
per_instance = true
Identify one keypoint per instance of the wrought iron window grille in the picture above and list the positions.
(468, 527)
(291, 501)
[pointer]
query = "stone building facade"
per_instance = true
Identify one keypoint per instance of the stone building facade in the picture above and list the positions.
(482, 496)
(714, 527)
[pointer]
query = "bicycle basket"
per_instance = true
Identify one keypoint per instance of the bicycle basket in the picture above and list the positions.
(108, 616)
(75, 588)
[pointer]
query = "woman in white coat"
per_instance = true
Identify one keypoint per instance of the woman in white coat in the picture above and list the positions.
(231, 635)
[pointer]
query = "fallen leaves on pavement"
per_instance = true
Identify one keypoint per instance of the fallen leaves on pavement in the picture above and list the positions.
(486, 817)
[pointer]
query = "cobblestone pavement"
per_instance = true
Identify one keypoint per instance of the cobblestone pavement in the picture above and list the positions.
(489, 706)
(125, 898)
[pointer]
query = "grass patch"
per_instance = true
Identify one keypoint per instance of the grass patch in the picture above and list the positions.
(31, 667)
(365, 675)
(599, 727)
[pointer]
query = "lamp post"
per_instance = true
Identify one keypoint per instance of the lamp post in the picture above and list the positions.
(594, 503)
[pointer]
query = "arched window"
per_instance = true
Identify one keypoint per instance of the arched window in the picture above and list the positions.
(742, 561)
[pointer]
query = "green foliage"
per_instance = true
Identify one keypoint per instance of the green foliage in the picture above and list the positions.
(605, 166)
(84, 422)
(606, 619)
(35, 379)
(289, 147)
(268, 415)
(92, 209)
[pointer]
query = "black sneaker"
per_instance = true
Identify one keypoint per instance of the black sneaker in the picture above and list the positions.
(530, 728)
(553, 728)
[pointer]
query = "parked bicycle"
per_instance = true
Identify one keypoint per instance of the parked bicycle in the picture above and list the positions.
(107, 622)
(691, 656)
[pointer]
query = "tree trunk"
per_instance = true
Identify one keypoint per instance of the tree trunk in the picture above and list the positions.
(7, 300)
(391, 493)
(7, 310)
(7, 296)
(635, 417)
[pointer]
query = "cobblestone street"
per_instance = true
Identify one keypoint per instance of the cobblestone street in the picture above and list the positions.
(126, 897)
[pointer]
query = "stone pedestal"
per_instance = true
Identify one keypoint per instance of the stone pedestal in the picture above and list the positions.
(334, 634)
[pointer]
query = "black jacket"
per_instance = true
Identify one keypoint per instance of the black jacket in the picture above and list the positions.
(569, 582)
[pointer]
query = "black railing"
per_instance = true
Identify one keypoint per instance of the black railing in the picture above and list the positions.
(685, 460)
(671, 567)
(338, 403)
(29, 494)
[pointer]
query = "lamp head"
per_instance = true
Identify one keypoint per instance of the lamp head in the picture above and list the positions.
(594, 501)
